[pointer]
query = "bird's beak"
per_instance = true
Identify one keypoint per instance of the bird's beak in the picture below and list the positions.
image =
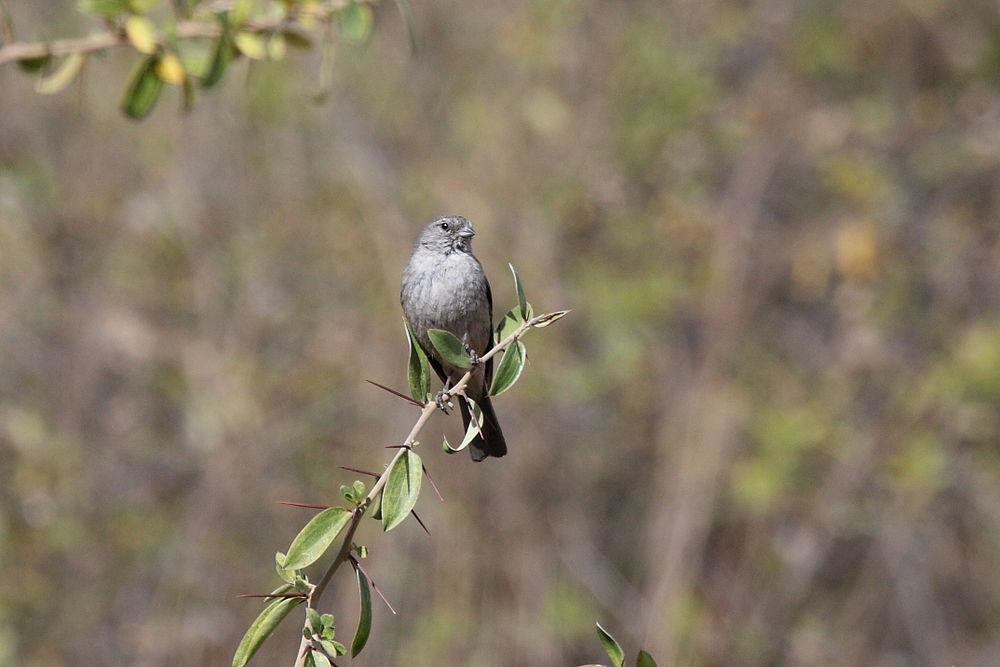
(467, 232)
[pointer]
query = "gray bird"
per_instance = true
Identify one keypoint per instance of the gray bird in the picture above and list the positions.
(444, 287)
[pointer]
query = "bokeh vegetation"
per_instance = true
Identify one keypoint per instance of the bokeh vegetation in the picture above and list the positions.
(768, 433)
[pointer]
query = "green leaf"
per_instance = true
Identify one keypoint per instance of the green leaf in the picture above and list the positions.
(510, 368)
(284, 588)
(279, 567)
(522, 302)
(31, 65)
(613, 649)
(475, 425)
(376, 507)
(224, 54)
(334, 648)
(143, 91)
(262, 627)
(104, 8)
(365, 620)
(62, 77)
(356, 23)
(401, 489)
(510, 322)
(320, 660)
(644, 660)
(327, 621)
(418, 371)
(450, 348)
(314, 539)
(314, 620)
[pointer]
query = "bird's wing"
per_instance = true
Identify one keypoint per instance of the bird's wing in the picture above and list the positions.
(488, 371)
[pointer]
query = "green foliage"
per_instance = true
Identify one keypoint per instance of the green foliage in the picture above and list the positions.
(144, 91)
(355, 493)
(510, 322)
(522, 302)
(314, 539)
(262, 627)
(225, 52)
(450, 348)
(365, 619)
(611, 646)
(401, 489)
(259, 31)
(509, 369)
(320, 630)
(355, 23)
(317, 659)
(475, 426)
(418, 371)
(617, 655)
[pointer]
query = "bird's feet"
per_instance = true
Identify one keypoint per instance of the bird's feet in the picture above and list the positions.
(443, 404)
(473, 355)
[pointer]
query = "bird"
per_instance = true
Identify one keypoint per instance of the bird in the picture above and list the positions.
(444, 287)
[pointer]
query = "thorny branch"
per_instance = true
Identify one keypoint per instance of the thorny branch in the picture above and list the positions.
(344, 554)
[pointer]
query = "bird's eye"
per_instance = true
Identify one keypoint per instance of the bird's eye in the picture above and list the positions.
(444, 225)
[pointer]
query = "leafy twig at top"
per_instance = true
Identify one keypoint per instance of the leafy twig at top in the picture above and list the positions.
(173, 44)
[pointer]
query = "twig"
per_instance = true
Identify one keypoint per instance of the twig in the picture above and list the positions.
(344, 554)
(206, 28)
(271, 595)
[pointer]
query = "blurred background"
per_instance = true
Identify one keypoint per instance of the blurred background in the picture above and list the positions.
(767, 434)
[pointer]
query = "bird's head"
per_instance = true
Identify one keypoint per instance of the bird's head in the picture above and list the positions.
(448, 233)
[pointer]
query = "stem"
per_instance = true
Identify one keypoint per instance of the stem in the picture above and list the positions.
(344, 554)
(206, 28)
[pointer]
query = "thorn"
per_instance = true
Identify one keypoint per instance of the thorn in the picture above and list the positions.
(360, 471)
(417, 517)
(433, 485)
(396, 393)
(399, 446)
(378, 590)
(306, 505)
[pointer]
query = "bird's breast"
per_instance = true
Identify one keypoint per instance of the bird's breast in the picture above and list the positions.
(447, 292)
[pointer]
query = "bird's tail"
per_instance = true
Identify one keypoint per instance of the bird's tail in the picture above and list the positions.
(490, 440)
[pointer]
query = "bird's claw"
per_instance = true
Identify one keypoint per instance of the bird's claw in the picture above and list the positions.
(443, 405)
(473, 355)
